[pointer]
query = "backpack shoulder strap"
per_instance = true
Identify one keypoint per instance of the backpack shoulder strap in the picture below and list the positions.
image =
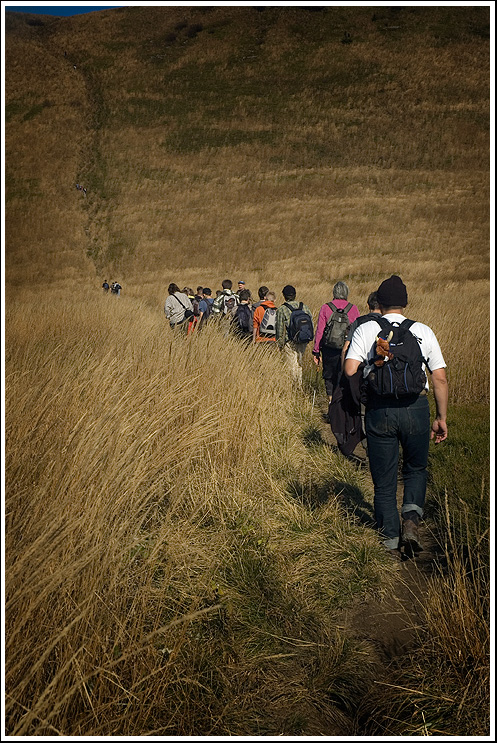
(332, 307)
(179, 300)
(301, 305)
(348, 308)
(406, 325)
(381, 321)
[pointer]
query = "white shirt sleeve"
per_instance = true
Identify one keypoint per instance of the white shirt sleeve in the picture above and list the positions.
(430, 346)
(360, 348)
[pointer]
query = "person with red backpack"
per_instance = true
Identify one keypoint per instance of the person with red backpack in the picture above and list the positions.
(333, 323)
(393, 353)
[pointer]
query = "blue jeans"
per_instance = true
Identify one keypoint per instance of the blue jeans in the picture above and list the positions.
(408, 423)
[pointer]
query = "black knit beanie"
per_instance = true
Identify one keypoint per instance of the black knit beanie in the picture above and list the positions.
(392, 292)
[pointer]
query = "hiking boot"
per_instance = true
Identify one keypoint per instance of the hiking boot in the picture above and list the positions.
(410, 537)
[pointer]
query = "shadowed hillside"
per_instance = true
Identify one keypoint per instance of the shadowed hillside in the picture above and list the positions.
(241, 137)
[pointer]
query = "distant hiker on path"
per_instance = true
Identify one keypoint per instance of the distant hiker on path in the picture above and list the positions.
(105, 286)
(177, 307)
(294, 330)
(333, 322)
(265, 319)
(115, 288)
(199, 295)
(395, 352)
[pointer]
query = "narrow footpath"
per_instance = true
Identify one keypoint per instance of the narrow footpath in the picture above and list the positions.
(388, 624)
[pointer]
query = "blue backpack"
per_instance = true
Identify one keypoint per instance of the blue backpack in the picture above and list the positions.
(300, 327)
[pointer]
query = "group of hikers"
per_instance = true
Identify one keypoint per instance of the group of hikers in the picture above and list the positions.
(115, 287)
(374, 370)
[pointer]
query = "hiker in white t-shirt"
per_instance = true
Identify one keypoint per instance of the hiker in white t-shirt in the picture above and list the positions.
(397, 411)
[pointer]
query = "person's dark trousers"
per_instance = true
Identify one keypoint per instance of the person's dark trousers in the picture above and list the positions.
(387, 425)
(332, 368)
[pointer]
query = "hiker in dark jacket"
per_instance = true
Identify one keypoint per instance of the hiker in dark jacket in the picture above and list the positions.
(242, 324)
(399, 416)
(331, 356)
(346, 411)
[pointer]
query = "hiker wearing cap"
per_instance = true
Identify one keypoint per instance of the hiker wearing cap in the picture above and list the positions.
(333, 322)
(241, 287)
(178, 307)
(394, 353)
(294, 330)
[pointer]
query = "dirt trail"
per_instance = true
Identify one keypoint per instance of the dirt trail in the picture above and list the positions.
(388, 623)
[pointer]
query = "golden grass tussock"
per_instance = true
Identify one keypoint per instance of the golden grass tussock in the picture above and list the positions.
(158, 499)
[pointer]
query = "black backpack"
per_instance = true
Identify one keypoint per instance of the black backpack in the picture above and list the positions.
(300, 327)
(403, 375)
(242, 320)
(336, 327)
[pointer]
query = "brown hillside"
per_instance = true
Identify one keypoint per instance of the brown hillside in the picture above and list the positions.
(225, 139)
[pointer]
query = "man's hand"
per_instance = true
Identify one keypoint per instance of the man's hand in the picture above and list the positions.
(441, 393)
(438, 430)
(316, 360)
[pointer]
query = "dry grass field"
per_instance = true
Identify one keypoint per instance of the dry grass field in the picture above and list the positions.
(180, 541)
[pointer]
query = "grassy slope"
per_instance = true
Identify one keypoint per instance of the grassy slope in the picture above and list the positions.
(257, 124)
(205, 152)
